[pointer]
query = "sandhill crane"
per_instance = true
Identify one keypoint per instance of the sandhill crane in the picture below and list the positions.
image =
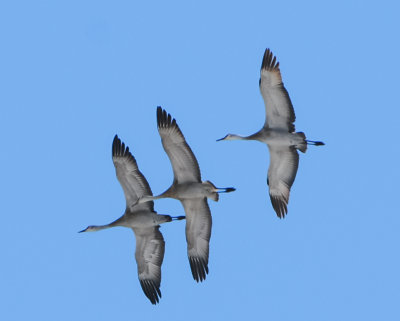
(279, 134)
(188, 188)
(143, 220)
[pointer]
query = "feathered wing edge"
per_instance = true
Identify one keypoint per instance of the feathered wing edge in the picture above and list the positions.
(151, 290)
(149, 254)
(271, 65)
(183, 160)
(279, 203)
(199, 268)
(132, 181)
(284, 163)
(198, 234)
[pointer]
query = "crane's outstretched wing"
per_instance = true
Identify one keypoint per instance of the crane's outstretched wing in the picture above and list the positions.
(150, 248)
(278, 106)
(131, 179)
(284, 162)
(184, 163)
(198, 234)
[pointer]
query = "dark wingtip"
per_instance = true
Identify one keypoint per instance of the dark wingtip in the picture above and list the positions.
(84, 230)
(159, 115)
(165, 120)
(115, 145)
(319, 143)
(269, 61)
(120, 150)
(199, 268)
(151, 290)
(279, 206)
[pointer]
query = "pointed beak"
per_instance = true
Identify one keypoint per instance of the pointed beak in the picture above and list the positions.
(221, 139)
(83, 230)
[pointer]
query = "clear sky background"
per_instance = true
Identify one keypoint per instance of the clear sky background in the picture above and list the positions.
(75, 73)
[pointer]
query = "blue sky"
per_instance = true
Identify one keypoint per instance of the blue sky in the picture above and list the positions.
(75, 73)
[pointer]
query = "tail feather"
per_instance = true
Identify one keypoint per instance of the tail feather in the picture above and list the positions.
(303, 145)
(215, 190)
(165, 218)
(215, 197)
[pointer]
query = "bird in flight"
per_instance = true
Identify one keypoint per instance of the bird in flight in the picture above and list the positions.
(141, 218)
(188, 188)
(279, 134)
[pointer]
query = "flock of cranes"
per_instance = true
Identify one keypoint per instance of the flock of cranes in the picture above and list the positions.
(283, 142)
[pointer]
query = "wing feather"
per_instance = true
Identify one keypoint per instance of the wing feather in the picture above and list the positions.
(284, 162)
(150, 248)
(184, 163)
(198, 234)
(278, 106)
(131, 179)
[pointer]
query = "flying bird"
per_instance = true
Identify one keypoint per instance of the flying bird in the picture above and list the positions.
(279, 134)
(141, 218)
(188, 188)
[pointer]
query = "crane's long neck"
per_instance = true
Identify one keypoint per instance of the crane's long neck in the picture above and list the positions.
(95, 228)
(238, 137)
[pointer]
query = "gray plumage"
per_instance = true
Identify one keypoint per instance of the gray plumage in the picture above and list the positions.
(191, 191)
(279, 134)
(141, 218)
